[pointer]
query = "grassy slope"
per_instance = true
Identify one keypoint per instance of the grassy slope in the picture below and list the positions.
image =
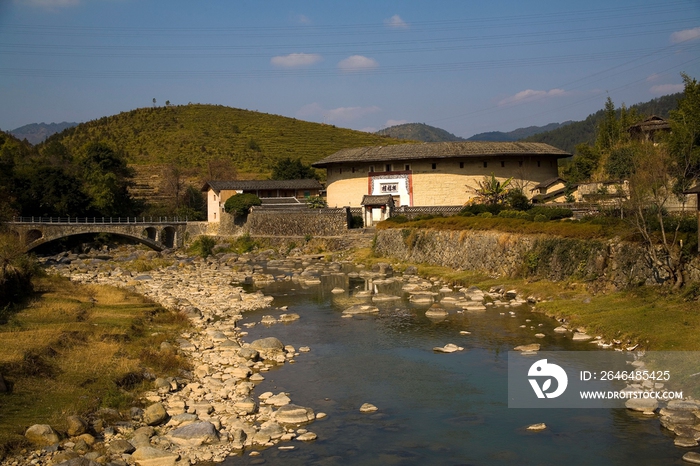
(192, 134)
(64, 353)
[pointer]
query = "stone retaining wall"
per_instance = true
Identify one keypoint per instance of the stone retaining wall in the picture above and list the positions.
(315, 222)
(515, 255)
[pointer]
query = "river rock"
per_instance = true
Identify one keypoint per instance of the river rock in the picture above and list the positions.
(75, 425)
(436, 311)
(337, 290)
(121, 446)
(368, 408)
(42, 435)
(537, 427)
(155, 414)
(361, 309)
(278, 400)
(291, 317)
(685, 442)
(307, 437)
(578, 336)
(528, 348)
(561, 329)
(692, 457)
(195, 434)
(149, 456)
(76, 461)
(269, 343)
(293, 414)
(643, 405)
(688, 405)
(448, 348)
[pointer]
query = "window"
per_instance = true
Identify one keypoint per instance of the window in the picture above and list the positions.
(503, 164)
(387, 167)
(486, 164)
(434, 166)
(407, 167)
(307, 193)
(538, 163)
(340, 171)
(461, 164)
(520, 164)
(371, 168)
(353, 169)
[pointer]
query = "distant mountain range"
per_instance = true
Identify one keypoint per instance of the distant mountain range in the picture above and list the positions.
(419, 132)
(36, 133)
(565, 136)
(427, 133)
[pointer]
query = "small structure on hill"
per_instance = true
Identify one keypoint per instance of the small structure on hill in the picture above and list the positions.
(649, 129)
(552, 190)
(286, 192)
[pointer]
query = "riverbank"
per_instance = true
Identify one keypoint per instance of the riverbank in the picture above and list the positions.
(218, 397)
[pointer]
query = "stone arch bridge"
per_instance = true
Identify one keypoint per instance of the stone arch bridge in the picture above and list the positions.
(159, 234)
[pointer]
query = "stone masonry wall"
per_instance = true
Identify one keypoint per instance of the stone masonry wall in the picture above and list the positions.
(315, 222)
(506, 254)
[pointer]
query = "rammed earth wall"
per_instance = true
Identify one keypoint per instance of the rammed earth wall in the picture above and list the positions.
(515, 255)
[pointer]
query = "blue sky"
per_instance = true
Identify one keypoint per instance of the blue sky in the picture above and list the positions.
(464, 66)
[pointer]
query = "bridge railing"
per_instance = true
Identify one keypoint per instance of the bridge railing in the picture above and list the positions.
(99, 220)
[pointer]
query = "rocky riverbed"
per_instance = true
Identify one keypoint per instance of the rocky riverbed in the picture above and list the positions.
(215, 411)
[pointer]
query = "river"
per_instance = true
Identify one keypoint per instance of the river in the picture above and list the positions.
(434, 408)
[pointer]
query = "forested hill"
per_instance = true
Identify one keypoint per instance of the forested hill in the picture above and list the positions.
(569, 136)
(419, 132)
(516, 134)
(192, 135)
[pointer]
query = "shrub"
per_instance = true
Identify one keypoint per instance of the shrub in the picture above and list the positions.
(203, 246)
(396, 219)
(517, 200)
(476, 209)
(316, 202)
(485, 215)
(244, 243)
(551, 213)
(240, 204)
(357, 222)
(540, 218)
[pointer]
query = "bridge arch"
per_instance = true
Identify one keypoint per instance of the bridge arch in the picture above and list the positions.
(33, 235)
(151, 233)
(143, 240)
(168, 237)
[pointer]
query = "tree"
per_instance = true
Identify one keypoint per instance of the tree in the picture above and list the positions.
(584, 163)
(107, 178)
(651, 188)
(220, 168)
(684, 140)
(288, 169)
(50, 192)
(240, 204)
(154, 102)
(492, 191)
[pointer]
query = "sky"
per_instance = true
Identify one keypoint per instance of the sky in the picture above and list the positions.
(461, 65)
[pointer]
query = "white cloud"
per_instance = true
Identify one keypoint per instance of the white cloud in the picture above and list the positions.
(396, 22)
(684, 35)
(531, 94)
(50, 4)
(663, 89)
(390, 123)
(340, 114)
(357, 63)
(303, 19)
(296, 59)
(653, 77)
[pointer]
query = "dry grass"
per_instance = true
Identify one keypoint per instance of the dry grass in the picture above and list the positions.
(71, 350)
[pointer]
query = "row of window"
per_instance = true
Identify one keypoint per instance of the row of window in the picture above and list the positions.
(407, 167)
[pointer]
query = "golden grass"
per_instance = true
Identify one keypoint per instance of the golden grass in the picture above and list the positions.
(67, 351)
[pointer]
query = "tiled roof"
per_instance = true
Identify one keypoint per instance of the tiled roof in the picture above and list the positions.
(548, 183)
(440, 150)
(246, 185)
(693, 190)
(380, 199)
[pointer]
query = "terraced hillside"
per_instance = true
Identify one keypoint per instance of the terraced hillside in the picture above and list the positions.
(192, 135)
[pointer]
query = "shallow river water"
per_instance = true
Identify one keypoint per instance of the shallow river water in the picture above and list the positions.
(434, 408)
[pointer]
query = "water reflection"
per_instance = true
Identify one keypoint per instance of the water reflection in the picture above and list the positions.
(434, 408)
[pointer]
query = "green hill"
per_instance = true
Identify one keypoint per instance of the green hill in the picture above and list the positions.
(419, 132)
(569, 136)
(516, 134)
(191, 135)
